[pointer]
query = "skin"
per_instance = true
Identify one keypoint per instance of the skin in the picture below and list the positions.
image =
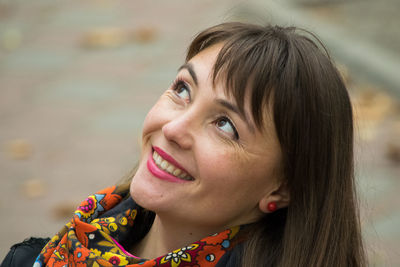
(234, 178)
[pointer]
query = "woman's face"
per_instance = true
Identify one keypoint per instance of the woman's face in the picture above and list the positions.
(203, 162)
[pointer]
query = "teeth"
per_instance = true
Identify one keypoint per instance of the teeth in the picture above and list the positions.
(176, 172)
(157, 159)
(168, 167)
(164, 165)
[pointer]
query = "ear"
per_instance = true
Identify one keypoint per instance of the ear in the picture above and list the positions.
(280, 196)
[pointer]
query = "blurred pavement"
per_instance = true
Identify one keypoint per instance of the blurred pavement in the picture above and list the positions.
(78, 77)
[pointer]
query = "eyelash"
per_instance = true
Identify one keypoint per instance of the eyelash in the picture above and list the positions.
(180, 83)
(235, 132)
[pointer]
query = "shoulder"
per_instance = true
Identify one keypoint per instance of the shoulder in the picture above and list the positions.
(24, 253)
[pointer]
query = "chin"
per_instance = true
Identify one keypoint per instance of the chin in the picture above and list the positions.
(145, 191)
(139, 191)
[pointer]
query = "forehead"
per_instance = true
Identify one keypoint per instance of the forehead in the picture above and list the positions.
(201, 68)
(203, 62)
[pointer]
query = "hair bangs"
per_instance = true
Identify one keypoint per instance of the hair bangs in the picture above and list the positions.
(249, 64)
(250, 68)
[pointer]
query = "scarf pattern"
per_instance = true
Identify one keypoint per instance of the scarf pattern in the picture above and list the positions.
(88, 240)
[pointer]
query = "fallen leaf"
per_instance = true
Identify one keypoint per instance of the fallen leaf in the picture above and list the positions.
(64, 210)
(105, 38)
(393, 152)
(33, 188)
(145, 34)
(19, 149)
(109, 37)
(371, 106)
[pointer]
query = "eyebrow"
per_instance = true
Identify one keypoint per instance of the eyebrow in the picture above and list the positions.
(190, 69)
(222, 102)
(236, 110)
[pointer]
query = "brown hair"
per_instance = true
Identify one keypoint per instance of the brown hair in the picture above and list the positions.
(294, 75)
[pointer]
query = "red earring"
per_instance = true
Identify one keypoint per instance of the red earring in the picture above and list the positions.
(271, 206)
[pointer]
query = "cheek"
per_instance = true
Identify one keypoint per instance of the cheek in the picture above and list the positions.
(220, 166)
(229, 169)
(154, 121)
(151, 121)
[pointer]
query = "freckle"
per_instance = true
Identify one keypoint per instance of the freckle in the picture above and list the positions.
(190, 233)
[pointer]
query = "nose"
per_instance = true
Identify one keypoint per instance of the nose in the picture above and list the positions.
(179, 130)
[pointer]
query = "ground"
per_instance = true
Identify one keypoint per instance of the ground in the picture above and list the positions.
(77, 78)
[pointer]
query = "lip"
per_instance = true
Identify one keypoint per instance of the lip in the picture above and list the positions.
(161, 174)
(169, 158)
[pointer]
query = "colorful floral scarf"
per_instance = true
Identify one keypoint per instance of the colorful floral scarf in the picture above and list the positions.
(90, 240)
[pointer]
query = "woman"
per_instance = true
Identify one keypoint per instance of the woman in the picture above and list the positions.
(247, 160)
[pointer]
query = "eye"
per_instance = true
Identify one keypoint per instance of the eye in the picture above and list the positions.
(225, 125)
(181, 90)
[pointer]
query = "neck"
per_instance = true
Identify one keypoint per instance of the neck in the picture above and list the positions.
(166, 236)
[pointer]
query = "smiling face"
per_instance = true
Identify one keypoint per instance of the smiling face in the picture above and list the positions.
(203, 162)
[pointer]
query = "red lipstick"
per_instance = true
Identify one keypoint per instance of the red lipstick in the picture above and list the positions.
(168, 158)
(161, 174)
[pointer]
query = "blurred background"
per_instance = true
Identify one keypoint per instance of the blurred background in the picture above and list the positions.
(78, 77)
